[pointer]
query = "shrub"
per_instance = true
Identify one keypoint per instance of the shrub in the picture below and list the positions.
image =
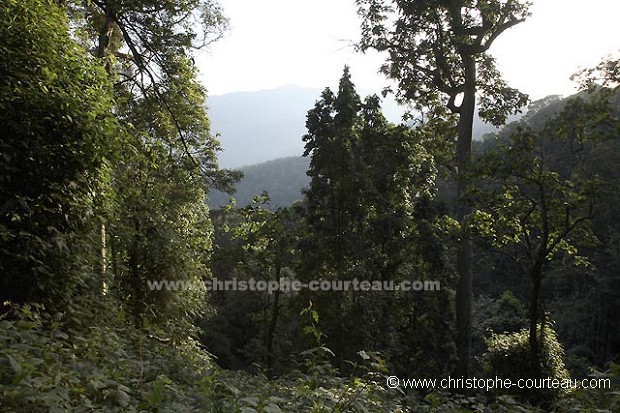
(509, 357)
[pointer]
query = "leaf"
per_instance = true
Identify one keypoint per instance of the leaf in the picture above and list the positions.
(327, 350)
(272, 408)
(252, 401)
(17, 368)
(122, 398)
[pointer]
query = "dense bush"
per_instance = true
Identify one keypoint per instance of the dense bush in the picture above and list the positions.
(56, 132)
(509, 357)
(60, 362)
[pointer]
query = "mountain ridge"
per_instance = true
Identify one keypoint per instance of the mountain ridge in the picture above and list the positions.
(259, 126)
(284, 177)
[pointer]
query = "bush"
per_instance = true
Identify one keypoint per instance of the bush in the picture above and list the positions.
(49, 364)
(600, 399)
(509, 357)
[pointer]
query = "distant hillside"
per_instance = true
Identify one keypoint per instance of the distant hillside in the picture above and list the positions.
(255, 127)
(282, 178)
(538, 113)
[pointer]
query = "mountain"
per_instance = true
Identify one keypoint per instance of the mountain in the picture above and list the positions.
(285, 177)
(255, 127)
(282, 178)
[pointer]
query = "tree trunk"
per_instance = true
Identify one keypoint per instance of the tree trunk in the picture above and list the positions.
(464, 261)
(275, 310)
(105, 34)
(102, 258)
(535, 281)
(135, 280)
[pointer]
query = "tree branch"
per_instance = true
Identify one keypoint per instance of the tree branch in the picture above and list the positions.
(501, 29)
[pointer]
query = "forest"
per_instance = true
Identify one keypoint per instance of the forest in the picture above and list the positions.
(420, 270)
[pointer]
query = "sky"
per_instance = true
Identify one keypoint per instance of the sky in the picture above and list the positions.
(273, 43)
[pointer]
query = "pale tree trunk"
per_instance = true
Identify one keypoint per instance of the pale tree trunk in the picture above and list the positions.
(102, 259)
(105, 35)
(464, 257)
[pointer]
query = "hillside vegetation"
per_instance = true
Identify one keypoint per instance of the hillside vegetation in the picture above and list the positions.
(283, 179)
(413, 258)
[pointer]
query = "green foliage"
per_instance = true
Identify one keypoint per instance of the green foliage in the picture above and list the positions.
(160, 230)
(539, 193)
(509, 356)
(595, 400)
(581, 299)
(239, 392)
(57, 136)
(107, 159)
(432, 46)
(317, 359)
(156, 219)
(250, 329)
(316, 387)
(505, 315)
(371, 215)
(502, 315)
(332, 195)
(531, 194)
(159, 224)
(438, 55)
(67, 362)
(49, 363)
(606, 74)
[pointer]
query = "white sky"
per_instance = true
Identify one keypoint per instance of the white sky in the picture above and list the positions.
(273, 43)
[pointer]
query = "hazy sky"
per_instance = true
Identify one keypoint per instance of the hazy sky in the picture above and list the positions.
(307, 42)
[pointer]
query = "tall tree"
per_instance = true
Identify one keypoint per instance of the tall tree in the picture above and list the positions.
(158, 75)
(268, 240)
(57, 134)
(438, 54)
(368, 204)
(332, 206)
(545, 187)
(159, 227)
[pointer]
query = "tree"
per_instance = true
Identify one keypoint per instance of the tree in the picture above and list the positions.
(332, 206)
(370, 215)
(438, 54)
(160, 231)
(545, 191)
(158, 74)
(333, 203)
(268, 238)
(57, 136)
(255, 246)
(606, 74)
(156, 222)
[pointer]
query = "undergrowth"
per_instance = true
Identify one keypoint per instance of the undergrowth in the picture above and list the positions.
(95, 360)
